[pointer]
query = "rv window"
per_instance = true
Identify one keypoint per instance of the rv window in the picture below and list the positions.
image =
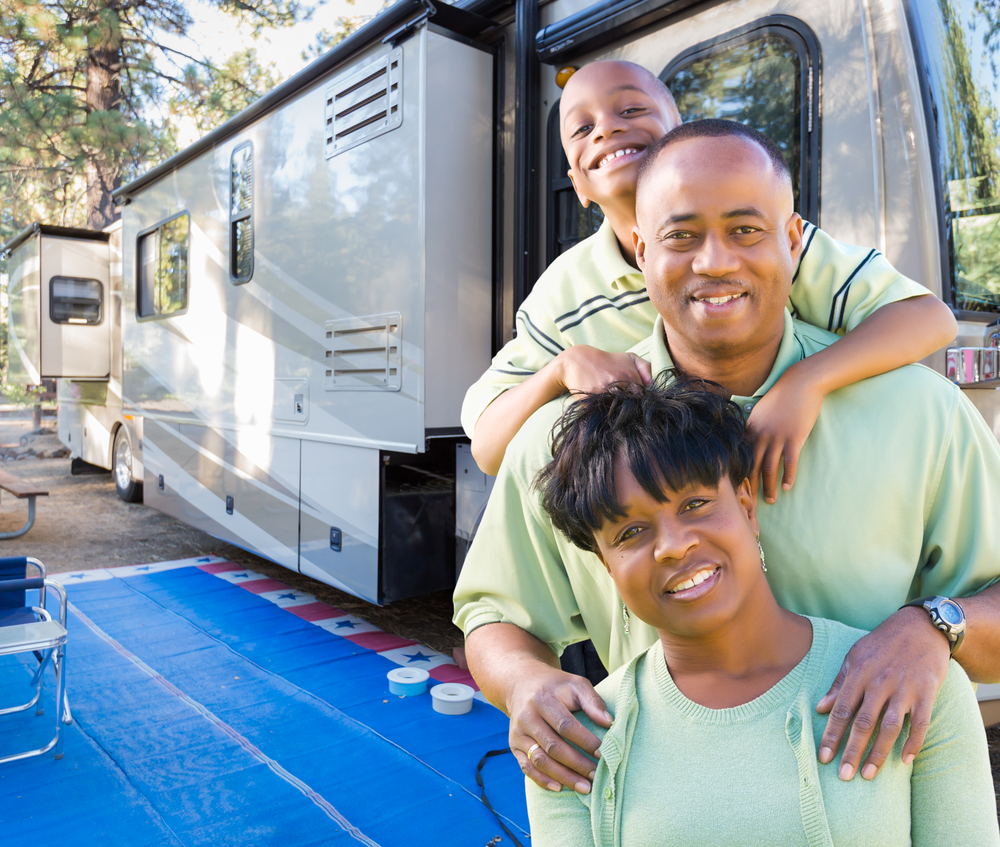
(75, 301)
(163, 269)
(759, 77)
(241, 214)
(961, 42)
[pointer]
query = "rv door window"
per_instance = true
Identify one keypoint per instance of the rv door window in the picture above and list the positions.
(763, 76)
(75, 301)
(241, 214)
(163, 269)
(960, 40)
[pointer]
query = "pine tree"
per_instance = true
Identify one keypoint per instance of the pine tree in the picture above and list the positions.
(91, 93)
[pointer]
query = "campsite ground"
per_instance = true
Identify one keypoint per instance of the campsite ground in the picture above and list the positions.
(83, 524)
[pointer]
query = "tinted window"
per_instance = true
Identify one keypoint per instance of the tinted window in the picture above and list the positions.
(163, 269)
(75, 301)
(241, 214)
(960, 41)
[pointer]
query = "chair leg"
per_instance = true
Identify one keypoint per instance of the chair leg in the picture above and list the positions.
(60, 699)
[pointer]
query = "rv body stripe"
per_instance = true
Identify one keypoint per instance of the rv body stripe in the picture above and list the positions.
(317, 799)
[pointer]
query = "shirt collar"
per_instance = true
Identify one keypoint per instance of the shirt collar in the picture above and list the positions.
(611, 263)
(789, 352)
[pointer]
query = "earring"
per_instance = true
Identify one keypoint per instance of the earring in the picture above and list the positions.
(763, 565)
(625, 616)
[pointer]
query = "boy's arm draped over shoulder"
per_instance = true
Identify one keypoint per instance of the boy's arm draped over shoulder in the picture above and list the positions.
(890, 321)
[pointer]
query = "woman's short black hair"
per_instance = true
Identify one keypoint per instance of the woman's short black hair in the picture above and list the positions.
(675, 432)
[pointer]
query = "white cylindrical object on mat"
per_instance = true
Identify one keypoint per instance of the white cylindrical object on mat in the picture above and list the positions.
(408, 682)
(452, 698)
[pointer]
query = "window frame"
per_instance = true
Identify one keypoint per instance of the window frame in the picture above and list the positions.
(944, 214)
(68, 321)
(138, 269)
(806, 45)
(243, 214)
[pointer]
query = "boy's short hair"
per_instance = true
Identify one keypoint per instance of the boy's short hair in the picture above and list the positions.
(669, 436)
(714, 128)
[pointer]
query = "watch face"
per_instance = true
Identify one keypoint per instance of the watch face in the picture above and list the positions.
(950, 613)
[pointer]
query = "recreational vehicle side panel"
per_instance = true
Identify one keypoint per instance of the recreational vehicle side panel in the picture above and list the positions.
(24, 346)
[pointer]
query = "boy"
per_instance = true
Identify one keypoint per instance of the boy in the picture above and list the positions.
(591, 303)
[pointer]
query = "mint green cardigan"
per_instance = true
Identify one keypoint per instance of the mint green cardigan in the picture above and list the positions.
(674, 772)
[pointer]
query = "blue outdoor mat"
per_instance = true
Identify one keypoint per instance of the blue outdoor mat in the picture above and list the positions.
(208, 713)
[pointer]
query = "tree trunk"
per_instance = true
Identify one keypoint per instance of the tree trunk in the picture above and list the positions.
(103, 95)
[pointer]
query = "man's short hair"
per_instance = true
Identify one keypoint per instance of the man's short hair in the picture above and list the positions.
(668, 435)
(714, 128)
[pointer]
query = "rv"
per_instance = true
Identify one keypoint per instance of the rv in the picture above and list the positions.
(306, 292)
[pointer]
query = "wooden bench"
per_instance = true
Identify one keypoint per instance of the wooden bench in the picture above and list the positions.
(20, 489)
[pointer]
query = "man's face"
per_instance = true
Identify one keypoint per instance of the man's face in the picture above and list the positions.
(717, 240)
(610, 112)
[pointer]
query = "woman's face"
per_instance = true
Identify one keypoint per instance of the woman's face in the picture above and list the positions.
(684, 566)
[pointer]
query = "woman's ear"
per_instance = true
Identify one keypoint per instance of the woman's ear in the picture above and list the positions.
(749, 506)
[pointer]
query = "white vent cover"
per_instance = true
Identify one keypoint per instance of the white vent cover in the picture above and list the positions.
(364, 354)
(364, 104)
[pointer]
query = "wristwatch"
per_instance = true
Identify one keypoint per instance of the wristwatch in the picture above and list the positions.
(946, 615)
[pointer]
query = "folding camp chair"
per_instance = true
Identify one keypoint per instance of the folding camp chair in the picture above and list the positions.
(31, 629)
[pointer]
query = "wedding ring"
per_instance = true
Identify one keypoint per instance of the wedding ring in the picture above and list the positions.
(531, 750)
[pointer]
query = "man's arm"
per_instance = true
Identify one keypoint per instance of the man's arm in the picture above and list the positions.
(579, 369)
(897, 334)
(521, 676)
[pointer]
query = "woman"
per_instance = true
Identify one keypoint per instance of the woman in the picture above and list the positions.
(715, 731)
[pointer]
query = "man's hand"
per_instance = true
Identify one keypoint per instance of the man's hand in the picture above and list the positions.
(540, 711)
(893, 671)
(582, 368)
(779, 425)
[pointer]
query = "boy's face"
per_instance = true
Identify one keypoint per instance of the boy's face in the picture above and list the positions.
(609, 114)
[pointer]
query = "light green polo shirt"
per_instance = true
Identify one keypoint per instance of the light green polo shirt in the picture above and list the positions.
(675, 772)
(591, 295)
(896, 496)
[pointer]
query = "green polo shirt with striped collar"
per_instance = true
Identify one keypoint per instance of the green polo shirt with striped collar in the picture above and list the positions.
(896, 496)
(591, 295)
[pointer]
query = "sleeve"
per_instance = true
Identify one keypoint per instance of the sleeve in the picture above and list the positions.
(836, 286)
(536, 343)
(558, 818)
(961, 545)
(514, 571)
(952, 794)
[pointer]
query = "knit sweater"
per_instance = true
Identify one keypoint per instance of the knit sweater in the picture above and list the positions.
(675, 772)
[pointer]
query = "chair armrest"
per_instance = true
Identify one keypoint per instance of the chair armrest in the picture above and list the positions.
(63, 599)
(26, 584)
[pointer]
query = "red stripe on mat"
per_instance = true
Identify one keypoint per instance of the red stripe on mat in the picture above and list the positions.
(379, 641)
(220, 567)
(262, 586)
(317, 611)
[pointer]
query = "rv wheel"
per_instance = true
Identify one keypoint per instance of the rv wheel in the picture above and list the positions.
(128, 489)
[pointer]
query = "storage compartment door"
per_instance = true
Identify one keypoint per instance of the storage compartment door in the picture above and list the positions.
(340, 517)
(75, 301)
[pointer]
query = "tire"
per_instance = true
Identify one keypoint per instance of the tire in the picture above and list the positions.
(129, 489)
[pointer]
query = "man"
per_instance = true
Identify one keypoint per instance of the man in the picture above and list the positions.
(894, 498)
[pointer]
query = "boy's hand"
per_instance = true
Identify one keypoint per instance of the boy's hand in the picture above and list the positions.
(586, 369)
(779, 425)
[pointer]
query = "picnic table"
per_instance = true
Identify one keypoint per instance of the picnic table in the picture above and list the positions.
(20, 489)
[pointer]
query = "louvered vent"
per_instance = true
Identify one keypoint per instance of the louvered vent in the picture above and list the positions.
(364, 104)
(364, 354)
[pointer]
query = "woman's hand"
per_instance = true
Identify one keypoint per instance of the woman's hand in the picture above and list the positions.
(541, 722)
(779, 425)
(586, 369)
(894, 671)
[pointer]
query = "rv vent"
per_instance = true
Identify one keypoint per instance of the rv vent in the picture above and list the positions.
(364, 104)
(364, 354)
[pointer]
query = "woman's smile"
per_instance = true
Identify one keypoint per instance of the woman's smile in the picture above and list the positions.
(697, 585)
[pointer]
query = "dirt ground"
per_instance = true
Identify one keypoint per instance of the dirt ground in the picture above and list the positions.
(84, 524)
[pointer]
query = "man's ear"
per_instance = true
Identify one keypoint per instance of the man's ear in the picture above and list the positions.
(584, 201)
(640, 248)
(794, 232)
